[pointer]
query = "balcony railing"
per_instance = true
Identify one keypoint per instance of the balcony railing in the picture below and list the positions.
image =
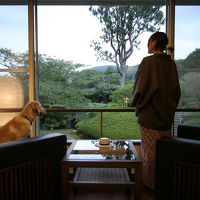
(101, 111)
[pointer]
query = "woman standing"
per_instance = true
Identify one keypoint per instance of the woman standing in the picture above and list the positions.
(156, 94)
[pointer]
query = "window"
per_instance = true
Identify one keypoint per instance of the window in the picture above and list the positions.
(13, 59)
(73, 75)
(187, 57)
(67, 79)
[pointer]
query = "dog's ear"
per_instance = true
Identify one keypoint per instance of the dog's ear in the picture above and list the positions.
(37, 107)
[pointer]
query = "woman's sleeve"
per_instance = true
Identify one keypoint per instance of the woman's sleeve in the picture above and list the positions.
(140, 83)
(145, 86)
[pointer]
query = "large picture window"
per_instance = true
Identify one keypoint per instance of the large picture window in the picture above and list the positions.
(64, 56)
(88, 57)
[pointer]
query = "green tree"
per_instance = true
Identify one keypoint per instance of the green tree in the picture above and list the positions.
(131, 72)
(191, 62)
(122, 96)
(11, 60)
(97, 85)
(54, 81)
(55, 91)
(189, 80)
(190, 87)
(193, 59)
(122, 26)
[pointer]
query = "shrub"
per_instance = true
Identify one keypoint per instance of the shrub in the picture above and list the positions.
(121, 125)
(122, 96)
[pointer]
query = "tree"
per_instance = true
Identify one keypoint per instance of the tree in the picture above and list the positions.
(11, 60)
(190, 87)
(193, 59)
(191, 62)
(189, 80)
(122, 26)
(55, 91)
(122, 96)
(97, 85)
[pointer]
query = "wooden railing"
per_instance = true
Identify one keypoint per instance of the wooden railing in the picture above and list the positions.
(101, 111)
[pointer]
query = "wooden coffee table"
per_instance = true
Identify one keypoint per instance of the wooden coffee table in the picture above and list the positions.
(97, 165)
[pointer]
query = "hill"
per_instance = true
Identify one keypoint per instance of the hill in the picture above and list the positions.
(104, 67)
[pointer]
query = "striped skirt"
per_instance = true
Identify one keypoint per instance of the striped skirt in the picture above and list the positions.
(148, 152)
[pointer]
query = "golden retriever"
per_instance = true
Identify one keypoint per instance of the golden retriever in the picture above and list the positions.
(19, 127)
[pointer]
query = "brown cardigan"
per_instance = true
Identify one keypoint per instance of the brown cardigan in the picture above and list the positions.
(156, 92)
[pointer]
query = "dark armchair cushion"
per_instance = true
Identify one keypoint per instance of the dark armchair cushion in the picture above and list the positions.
(13, 153)
(188, 131)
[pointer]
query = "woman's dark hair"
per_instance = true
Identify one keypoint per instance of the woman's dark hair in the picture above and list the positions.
(161, 41)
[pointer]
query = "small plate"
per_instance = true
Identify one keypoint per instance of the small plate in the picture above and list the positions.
(104, 145)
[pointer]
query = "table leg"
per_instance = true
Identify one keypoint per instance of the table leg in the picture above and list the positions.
(65, 182)
(138, 182)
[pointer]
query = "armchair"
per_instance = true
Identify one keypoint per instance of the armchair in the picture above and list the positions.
(30, 169)
(177, 169)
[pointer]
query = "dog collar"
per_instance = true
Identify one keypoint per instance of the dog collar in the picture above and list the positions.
(28, 119)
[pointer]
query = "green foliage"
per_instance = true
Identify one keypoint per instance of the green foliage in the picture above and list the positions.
(55, 89)
(191, 118)
(54, 120)
(190, 87)
(54, 83)
(60, 86)
(115, 125)
(122, 96)
(11, 60)
(193, 59)
(190, 80)
(131, 72)
(190, 62)
(96, 85)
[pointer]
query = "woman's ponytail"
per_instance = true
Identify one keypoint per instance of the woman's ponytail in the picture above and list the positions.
(170, 48)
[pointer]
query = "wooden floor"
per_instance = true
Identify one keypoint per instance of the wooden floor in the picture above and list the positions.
(108, 194)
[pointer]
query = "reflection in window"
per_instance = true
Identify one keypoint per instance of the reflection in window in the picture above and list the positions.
(5, 117)
(11, 92)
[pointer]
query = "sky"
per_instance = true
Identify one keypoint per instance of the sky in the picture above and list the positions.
(70, 34)
(66, 32)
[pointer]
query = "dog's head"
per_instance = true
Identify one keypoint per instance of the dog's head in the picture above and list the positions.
(37, 107)
(33, 109)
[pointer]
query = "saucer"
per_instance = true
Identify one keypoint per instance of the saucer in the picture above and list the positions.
(104, 145)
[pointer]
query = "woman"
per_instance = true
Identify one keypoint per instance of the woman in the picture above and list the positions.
(156, 94)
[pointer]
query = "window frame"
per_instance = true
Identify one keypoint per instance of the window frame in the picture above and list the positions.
(33, 39)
